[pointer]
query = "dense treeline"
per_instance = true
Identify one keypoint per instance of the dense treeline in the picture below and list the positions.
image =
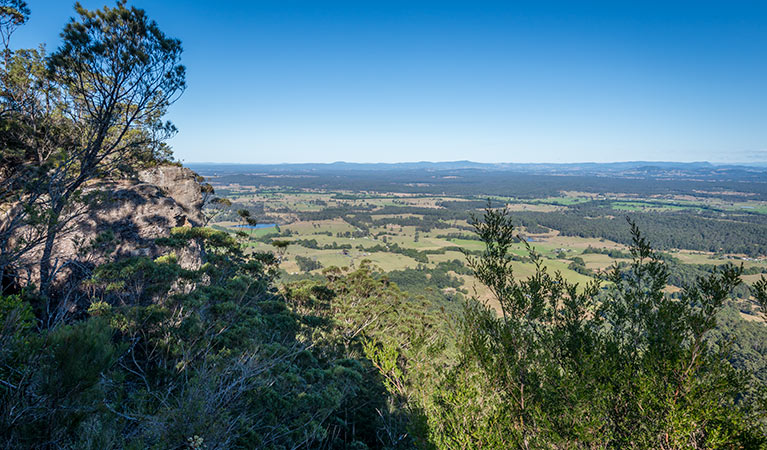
(668, 229)
(438, 285)
(702, 229)
(481, 183)
(155, 365)
(718, 232)
(307, 264)
(745, 344)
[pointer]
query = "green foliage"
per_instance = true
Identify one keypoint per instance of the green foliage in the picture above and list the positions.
(704, 231)
(16, 315)
(579, 265)
(419, 256)
(307, 264)
(168, 354)
(120, 50)
(565, 366)
(78, 354)
(55, 383)
(93, 109)
(280, 244)
(397, 342)
(156, 355)
(171, 358)
(612, 253)
(438, 286)
(13, 13)
(137, 280)
(759, 291)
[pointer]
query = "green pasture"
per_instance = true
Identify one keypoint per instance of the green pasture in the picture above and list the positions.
(557, 251)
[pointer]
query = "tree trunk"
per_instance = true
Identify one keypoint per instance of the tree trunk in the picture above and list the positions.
(46, 268)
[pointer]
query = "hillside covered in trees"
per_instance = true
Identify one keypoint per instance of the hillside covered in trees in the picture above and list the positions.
(130, 317)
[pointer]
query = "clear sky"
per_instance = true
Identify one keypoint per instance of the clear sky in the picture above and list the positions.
(512, 81)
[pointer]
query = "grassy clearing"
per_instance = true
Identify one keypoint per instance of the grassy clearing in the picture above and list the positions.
(757, 207)
(349, 258)
(564, 201)
(467, 244)
(580, 244)
(597, 261)
(536, 207)
(447, 256)
(334, 226)
(649, 206)
(751, 279)
(395, 216)
(556, 250)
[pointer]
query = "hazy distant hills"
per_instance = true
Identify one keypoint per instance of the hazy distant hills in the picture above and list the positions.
(629, 169)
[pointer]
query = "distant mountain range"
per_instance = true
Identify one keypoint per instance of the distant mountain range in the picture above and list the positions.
(630, 169)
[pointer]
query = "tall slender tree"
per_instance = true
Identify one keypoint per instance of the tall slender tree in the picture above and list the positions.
(107, 88)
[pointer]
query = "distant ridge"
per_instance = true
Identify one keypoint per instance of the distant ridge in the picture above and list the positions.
(583, 168)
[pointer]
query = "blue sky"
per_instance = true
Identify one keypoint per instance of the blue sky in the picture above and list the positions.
(514, 81)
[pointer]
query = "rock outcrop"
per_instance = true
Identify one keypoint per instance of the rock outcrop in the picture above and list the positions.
(182, 185)
(126, 222)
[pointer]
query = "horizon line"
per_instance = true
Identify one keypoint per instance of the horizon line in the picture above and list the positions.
(714, 163)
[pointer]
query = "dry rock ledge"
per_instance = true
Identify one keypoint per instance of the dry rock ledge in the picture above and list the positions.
(135, 212)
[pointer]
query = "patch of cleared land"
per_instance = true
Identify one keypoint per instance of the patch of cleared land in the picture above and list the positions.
(348, 245)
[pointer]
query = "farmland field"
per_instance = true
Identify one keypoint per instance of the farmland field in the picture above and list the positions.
(579, 233)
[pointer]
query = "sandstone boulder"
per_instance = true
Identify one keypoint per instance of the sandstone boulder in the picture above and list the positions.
(132, 213)
(182, 185)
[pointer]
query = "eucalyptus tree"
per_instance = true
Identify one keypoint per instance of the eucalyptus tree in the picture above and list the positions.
(13, 13)
(118, 74)
(30, 132)
(107, 88)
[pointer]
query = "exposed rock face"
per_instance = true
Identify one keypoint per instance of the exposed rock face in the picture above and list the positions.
(137, 214)
(134, 213)
(182, 185)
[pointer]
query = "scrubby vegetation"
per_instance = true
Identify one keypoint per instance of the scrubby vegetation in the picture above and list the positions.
(228, 350)
(162, 357)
